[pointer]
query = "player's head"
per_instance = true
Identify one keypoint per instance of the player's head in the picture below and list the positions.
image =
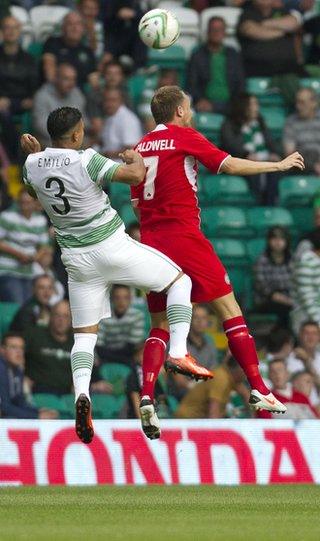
(65, 127)
(171, 105)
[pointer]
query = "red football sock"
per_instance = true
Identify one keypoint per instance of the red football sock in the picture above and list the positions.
(243, 349)
(153, 359)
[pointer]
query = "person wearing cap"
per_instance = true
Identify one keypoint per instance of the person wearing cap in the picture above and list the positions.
(272, 275)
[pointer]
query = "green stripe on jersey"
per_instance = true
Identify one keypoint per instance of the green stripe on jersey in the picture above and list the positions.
(95, 165)
(108, 176)
(98, 234)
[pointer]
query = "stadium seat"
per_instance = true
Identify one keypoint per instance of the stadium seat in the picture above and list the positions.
(274, 118)
(189, 24)
(7, 313)
(295, 191)
(119, 194)
(127, 214)
(106, 406)
(36, 49)
(46, 19)
(225, 221)
(302, 218)
(261, 218)
(140, 82)
(261, 87)
(52, 401)
(22, 16)
(231, 251)
(230, 15)
(255, 247)
(311, 82)
(172, 57)
(116, 374)
(209, 125)
(225, 190)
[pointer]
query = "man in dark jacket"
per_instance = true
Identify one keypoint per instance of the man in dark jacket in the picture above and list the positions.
(215, 72)
(35, 311)
(13, 403)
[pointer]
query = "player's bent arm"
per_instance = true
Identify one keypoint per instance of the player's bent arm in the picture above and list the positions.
(239, 166)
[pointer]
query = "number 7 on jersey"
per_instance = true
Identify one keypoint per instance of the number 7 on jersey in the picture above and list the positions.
(151, 163)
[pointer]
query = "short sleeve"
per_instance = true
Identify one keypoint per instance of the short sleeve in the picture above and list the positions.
(99, 168)
(25, 174)
(195, 144)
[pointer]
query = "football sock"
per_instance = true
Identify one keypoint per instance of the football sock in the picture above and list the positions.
(243, 349)
(82, 362)
(179, 312)
(153, 359)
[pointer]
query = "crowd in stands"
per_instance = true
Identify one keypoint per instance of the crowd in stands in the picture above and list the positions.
(252, 69)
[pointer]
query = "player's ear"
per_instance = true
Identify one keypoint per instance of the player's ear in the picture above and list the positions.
(180, 111)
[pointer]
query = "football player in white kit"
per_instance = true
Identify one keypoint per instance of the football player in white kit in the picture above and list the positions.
(96, 250)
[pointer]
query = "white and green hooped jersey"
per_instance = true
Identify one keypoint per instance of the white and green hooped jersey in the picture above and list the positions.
(68, 184)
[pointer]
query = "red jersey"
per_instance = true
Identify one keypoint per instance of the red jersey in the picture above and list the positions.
(167, 197)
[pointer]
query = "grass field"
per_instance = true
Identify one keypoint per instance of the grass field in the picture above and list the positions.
(277, 513)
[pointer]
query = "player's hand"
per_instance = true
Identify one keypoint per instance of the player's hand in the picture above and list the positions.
(29, 144)
(130, 156)
(294, 160)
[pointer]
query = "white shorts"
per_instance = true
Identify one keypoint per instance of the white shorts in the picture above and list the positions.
(117, 260)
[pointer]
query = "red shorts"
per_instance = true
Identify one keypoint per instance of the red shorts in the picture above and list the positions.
(197, 258)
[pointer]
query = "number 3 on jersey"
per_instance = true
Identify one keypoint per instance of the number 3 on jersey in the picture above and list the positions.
(151, 163)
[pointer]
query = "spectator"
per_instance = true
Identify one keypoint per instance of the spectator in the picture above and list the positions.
(305, 243)
(23, 233)
(9, 138)
(306, 285)
(302, 130)
(4, 179)
(68, 48)
(121, 29)
(134, 386)
(306, 356)
(35, 311)
(298, 405)
(94, 35)
(18, 71)
(215, 71)
(272, 274)
(267, 37)
(119, 334)
(245, 135)
(44, 265)
(200, 345)
(62, 92)
(209, 399)
(121, 128)
(303, 382)
(13, 403)
(312, 27)
(48, 353)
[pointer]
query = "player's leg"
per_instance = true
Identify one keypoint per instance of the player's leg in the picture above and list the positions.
(242, 347)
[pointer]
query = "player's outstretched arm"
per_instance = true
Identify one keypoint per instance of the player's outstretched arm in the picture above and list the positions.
(133, 171)
(238, 166)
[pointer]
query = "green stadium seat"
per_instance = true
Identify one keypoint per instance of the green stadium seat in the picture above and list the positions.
(116, 374)
(295, 191)
(36, 49)
(302, 218)
(172, 57)
(261, 218)
(274, 118)
(225, 221)
(255, 247)
(106, 406)
(52, 401)
(311, 82)
(231, 251)
(225, 190)
(127, 214)
(209, 125)
(138, 83)
(119, 194)
(261, 87)
(7, 313)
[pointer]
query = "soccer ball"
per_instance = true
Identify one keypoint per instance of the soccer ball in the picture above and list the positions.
(159, 28)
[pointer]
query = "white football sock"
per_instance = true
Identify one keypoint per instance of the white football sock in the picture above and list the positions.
(179, 312)
(82, 362)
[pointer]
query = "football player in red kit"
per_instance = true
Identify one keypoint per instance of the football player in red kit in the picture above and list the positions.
(166, 202)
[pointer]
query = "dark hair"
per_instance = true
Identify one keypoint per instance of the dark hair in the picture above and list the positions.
(238, 108)
(275, 361)
(279, 230)
(39, 277)
(314, 238)
(300, 373)
(11, 334)
(119, 286)
(61, 121)
(164, 103)
(309, 322)
(277, 338)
